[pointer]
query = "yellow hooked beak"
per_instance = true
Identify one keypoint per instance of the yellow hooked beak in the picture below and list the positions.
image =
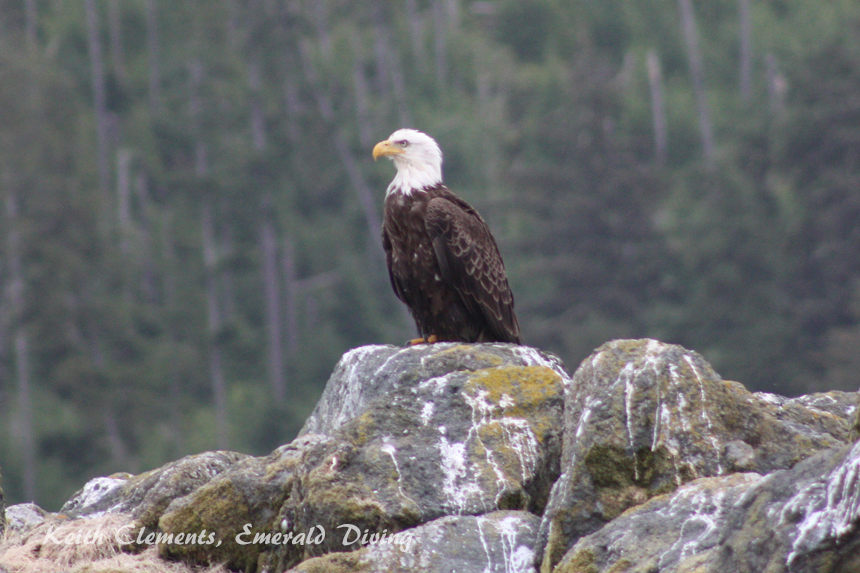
(384, 149)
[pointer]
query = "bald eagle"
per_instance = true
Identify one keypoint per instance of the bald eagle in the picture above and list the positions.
(442, 259)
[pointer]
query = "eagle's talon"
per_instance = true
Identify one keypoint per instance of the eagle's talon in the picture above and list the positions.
(429, 340)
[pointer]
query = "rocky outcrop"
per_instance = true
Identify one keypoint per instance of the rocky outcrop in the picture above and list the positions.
(643, 418)
(489, 457)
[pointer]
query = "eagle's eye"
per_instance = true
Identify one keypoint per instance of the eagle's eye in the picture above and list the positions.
(403, 143)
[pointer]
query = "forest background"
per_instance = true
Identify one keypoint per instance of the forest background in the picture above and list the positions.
(190, 214)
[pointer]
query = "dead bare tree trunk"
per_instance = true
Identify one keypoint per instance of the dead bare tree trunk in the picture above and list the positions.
(123, 192)
(268, 246)
(24, 422)
(150, 270)
(288, 262)
(152, 56)
(115, 40)
(362, 95)
(697, 77)
(440, 28)
(292, 102)
(358, 183)
(258, 118)
(776, 84)
(169, 287)
(745, 50)
(30, 23)
(210, 264)
(117, 448)
(655, 81)
(124, 223)
(20, 341)
(320, 17)
(271, 284)
(99, 98)
(388, 63)
(216, 362)
(416, 29)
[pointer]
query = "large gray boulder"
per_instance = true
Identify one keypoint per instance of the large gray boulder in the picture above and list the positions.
(643, 418)
(400, 437)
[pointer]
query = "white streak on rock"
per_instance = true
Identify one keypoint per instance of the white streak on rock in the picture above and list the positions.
(518, 558)
(700, 530)
(711, 437)
(458, 488)
(389, 449)
(479, 523)
(389, 359)
(438, 384)
(590, 403)
(830, 509)
(517, 433)
(427, 412)
(627, 374)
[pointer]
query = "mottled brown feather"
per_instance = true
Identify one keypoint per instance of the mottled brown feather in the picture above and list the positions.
(444, 263)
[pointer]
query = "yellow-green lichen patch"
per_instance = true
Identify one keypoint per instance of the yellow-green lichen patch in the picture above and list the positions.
(579, 561)
(350, 562)
(622, 480)
(219, 511)
(855, 427)
(521, 392)
(363, 428)
(348, 499)
(529, 386)
(621, 566)
(366, 427)
(557, 543)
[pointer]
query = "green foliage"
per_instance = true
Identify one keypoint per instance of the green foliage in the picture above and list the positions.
(264, 113)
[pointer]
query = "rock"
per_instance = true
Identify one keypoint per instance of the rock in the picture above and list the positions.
(663, 532)
(825, 413)
(2, 509)
(489, 457)
(371, 453)
(250, 495)
(802, 520)
(367, 373)
(147, 495)
(498, 542)
(454, 430)
(643, 418)
(23, 517)
(799, 520)
(855, 427)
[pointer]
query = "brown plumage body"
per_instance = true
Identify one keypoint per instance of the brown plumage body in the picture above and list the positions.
(443, 261)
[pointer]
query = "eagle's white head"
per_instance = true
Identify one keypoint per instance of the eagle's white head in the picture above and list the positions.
(417, 157)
